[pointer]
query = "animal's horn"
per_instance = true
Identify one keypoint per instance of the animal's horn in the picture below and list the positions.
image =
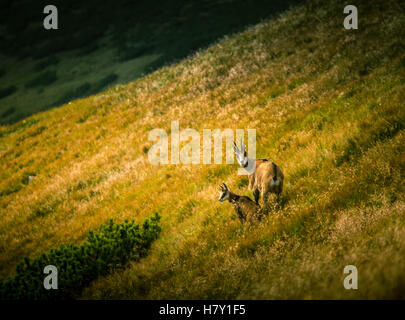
(235, 147)
(242, 145)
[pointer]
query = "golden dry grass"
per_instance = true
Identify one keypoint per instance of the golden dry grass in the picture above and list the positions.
(327, 105)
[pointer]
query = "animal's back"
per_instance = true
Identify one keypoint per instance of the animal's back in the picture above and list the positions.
(250, 207)
(263, 176)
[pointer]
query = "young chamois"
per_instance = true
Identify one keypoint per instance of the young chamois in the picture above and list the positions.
(265, 178)
(246, 209)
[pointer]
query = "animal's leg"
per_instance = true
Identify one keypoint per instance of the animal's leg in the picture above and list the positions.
(259, 214)
(277, 202)
(256, 194)
(266, 195)
(278, 192)
(240, 214)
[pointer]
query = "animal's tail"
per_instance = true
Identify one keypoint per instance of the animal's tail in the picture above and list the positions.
(275, 180)
(274, 171)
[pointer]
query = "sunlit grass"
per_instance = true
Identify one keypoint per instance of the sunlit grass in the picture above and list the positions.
(330, 115)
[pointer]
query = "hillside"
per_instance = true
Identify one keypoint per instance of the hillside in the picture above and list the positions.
(97, 46)
(328, 107)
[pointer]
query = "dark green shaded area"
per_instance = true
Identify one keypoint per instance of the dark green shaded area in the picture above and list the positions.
(171, 30)
(4, 92)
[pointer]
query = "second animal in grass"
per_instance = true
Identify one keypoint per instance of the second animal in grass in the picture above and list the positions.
(246, 209)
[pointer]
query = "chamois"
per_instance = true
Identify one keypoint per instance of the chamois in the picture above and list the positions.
(246, 209)
(265, 178)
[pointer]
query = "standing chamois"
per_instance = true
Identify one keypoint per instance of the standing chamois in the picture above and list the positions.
(245, 208)
(264, 179)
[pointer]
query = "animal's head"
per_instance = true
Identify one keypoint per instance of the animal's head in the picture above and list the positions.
(240, 154)
(224, 195)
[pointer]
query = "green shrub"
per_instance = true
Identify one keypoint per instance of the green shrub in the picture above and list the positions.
(77, 266)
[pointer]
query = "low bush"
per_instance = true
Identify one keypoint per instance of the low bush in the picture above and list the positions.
(110, 248)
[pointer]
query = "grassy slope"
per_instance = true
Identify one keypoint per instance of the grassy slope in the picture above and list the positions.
(97, 46)
(328, 107)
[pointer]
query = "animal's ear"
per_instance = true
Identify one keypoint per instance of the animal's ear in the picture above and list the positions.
(221, 187)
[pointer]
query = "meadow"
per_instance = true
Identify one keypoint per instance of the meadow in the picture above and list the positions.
(328, 107)
(96, 47)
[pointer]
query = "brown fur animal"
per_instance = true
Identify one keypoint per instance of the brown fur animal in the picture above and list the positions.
(264, 178)
(246, 209)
